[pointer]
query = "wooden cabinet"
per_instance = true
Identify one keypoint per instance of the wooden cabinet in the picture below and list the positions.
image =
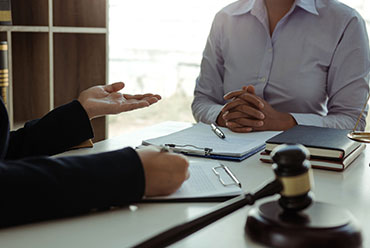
(57, 48)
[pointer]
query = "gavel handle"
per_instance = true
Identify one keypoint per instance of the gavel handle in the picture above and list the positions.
(183, 230)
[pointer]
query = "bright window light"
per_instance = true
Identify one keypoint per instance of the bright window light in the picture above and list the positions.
(156, 46)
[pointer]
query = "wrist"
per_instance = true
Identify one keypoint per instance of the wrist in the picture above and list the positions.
(289, 122)
(220, 120)
(86, 107)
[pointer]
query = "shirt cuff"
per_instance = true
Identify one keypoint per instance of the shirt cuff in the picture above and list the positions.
(213, 113)
(308, 119)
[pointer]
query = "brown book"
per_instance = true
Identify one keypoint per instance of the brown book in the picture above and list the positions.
(326, 164)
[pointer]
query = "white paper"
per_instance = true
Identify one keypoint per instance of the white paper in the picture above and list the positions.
(203, 182)
(202, 136)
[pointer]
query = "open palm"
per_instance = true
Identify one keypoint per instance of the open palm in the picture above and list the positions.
(105, 99)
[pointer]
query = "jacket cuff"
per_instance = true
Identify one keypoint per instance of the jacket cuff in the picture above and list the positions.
(77, 112)
(137, 187)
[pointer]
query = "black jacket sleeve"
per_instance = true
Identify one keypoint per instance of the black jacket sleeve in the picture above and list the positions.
(40, 188)
(59, 130)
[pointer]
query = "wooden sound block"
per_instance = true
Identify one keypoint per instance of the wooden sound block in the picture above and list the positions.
(86, 144)
(320, 225)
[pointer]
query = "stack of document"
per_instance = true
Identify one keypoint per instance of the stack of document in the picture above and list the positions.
(200, 140)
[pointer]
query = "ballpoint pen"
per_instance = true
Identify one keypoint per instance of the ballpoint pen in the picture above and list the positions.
(162, 148)
(182, 148)
(217, 131)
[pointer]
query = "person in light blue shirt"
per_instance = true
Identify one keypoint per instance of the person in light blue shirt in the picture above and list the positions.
(273, 64)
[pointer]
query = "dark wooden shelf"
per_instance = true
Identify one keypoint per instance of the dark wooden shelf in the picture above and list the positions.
(79, 13)
(57, 48)
(30, 53)
(30, 12)
(70, 75)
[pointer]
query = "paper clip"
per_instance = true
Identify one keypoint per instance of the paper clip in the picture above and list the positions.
(204, 151)
(231, 175)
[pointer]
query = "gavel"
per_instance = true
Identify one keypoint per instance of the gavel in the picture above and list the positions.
(293, 181)
(293, 173)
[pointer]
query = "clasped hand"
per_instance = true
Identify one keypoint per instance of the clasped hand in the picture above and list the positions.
(105, 99)
(247, 112)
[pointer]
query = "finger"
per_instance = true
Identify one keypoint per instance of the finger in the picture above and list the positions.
(154, 98)
(233, 104)
(248, 122)
(247, 93)
(234, 94)
(159, 97)
(252, 99)
(235, 127)
(232, 124)
(151, 100)
(248, 98)
(141, 96)
(229, 116)
(187, 175)
(152, 95)
(242, 130)
(114, 87)
(129, 96)
(249, 111)
(249, 89)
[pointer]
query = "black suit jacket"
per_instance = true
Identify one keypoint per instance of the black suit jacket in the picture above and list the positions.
(34, 186)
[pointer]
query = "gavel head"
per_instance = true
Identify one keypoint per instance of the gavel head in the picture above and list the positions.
(293, 170)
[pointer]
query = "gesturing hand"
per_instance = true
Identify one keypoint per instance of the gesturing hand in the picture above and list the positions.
(248, 112)
(105, 99)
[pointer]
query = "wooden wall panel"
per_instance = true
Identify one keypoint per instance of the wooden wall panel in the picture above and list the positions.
(30, 12)
(71, 76)
(30, 75)
(3, 36)
(79, 13)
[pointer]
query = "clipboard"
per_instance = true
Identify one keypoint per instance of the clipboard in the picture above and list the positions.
(200, 141)
(207, 152)
(208, 182)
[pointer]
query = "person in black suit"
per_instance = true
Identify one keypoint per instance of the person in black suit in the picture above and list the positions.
(34, 186)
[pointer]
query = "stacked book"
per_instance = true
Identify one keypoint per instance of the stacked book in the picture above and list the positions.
(329, 148)
(5, 12)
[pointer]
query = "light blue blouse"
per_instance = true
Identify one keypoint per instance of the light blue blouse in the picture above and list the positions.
(315, 65)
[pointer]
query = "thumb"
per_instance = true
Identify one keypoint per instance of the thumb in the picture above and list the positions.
(114, 87)
(250, 89)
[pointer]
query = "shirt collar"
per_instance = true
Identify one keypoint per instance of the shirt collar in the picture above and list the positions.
(255, 6)
(308, 5)
(245, 7)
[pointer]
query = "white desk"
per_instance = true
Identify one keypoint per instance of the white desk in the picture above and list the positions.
(126, 226)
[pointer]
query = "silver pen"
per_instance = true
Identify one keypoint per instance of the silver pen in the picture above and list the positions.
(217, 131)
